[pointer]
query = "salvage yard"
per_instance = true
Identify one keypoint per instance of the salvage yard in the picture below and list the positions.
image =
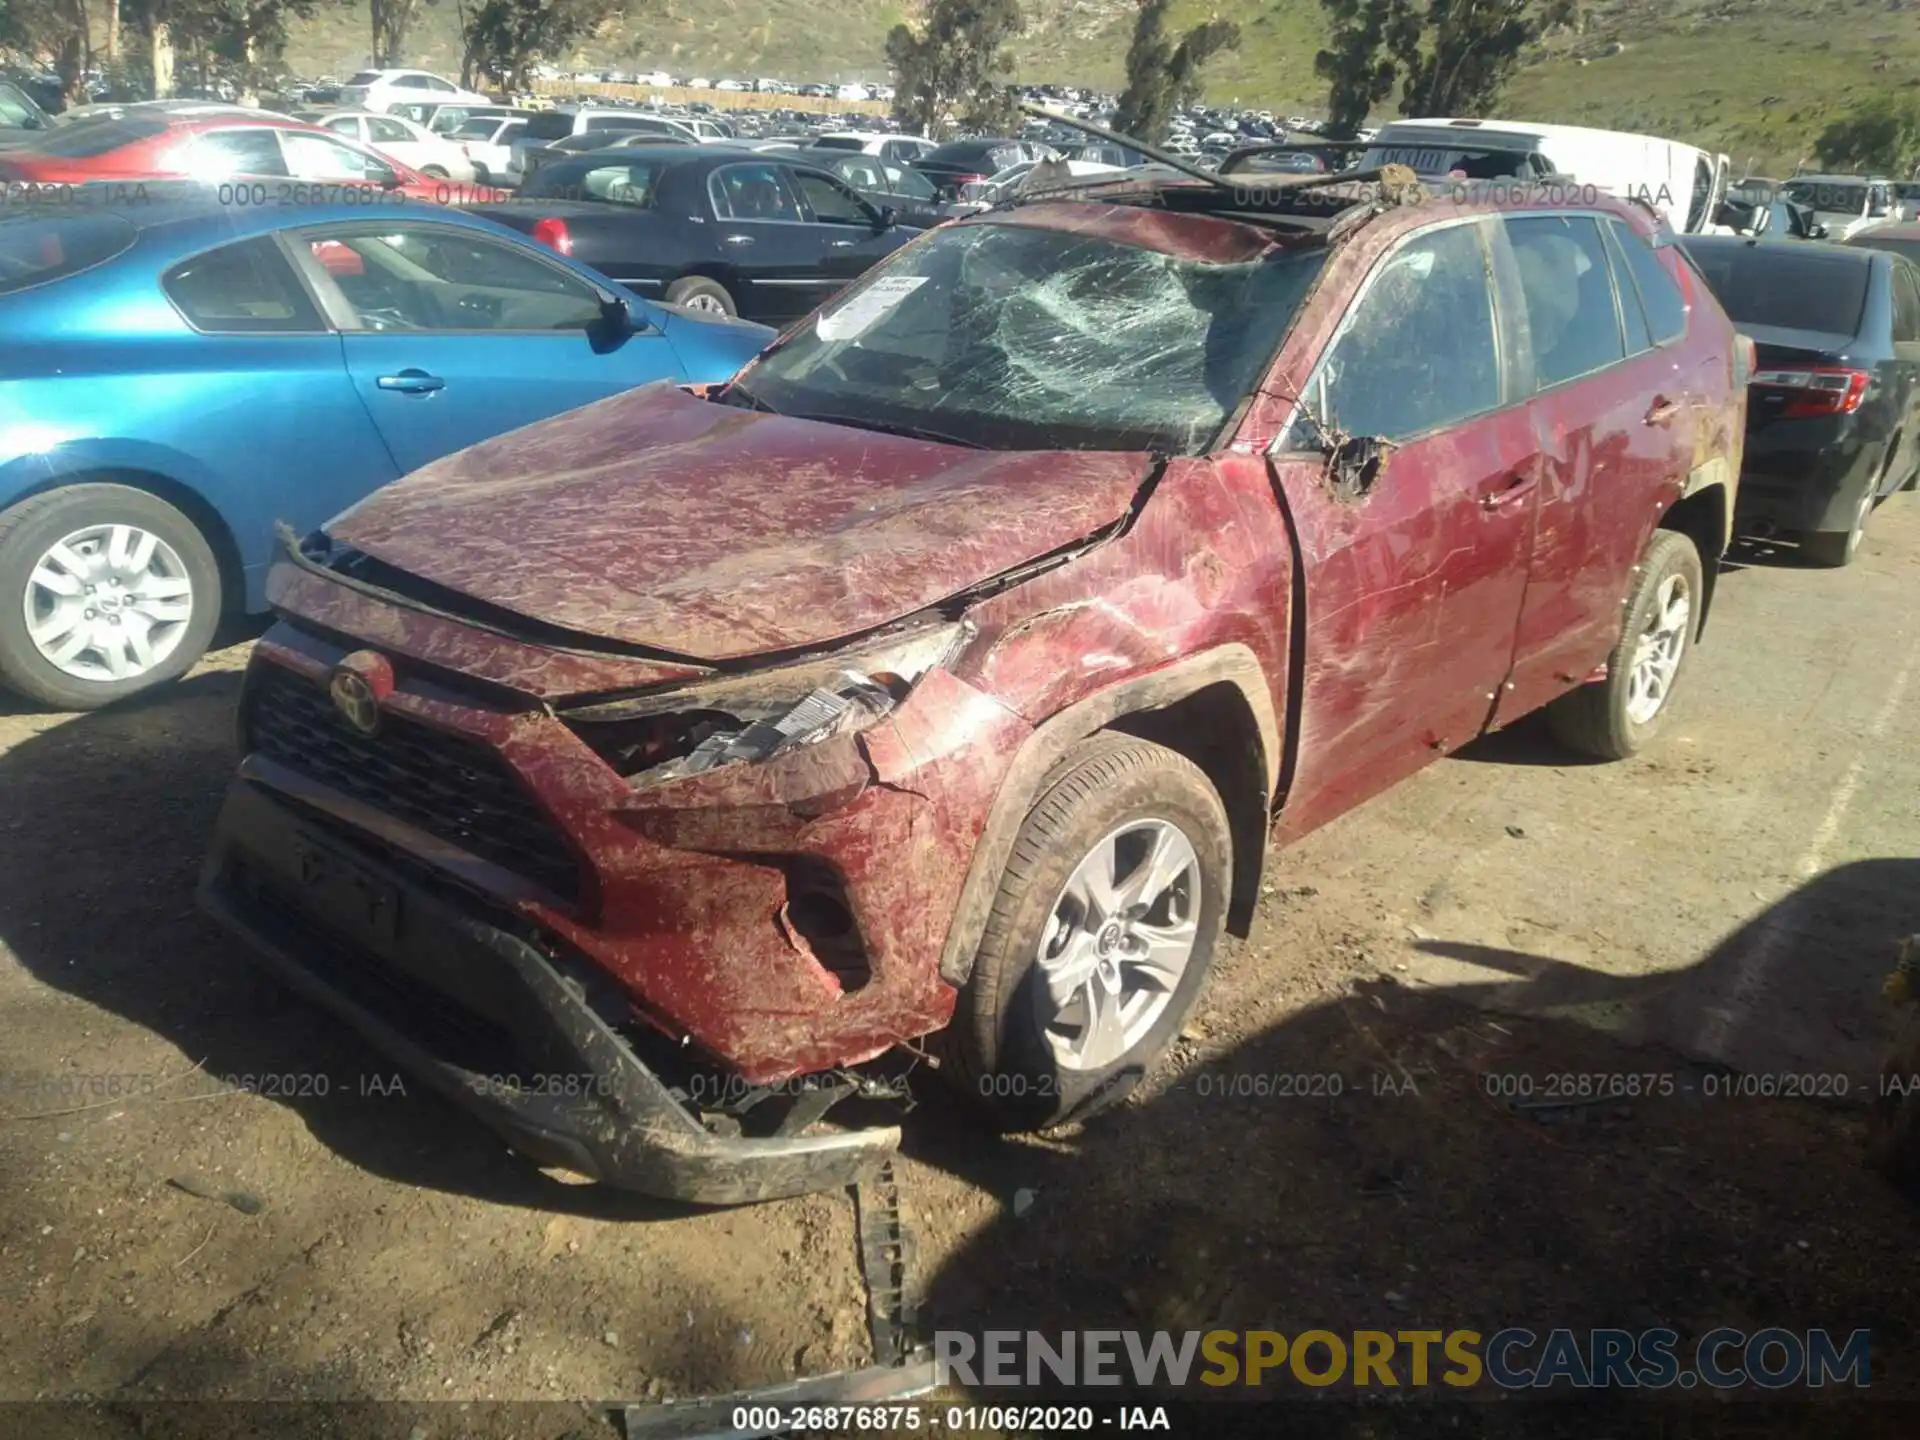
(1734, 896)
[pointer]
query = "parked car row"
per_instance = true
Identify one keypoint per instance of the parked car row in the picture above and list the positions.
(651, 693)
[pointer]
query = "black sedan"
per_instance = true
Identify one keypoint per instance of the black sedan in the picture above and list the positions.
(709, 227)
(1833, 410)
(883, 184)
(965, 162)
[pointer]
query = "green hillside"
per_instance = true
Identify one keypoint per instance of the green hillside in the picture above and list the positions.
(1756, 78)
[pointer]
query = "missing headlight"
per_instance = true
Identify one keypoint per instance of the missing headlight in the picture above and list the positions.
(852, 702)
(668, 734)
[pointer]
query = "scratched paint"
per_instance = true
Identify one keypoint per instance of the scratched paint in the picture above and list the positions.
(649, 539)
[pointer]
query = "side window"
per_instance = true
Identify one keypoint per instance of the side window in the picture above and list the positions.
(1383, 375)
(347, 125)
(383, 131)
(1568, 290)
(831, 202)
(254, 151)
(1660, 297)
(863, 172)
(910, 183)
(241, 289)
(1906, 304)
(426, 278)
(435, 83)
(752, 192)
(1632, 313)
(412, 82)
(319, 157)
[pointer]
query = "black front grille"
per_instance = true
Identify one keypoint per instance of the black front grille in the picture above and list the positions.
(454, 789)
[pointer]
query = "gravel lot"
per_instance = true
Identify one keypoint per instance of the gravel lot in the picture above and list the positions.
(1733, 897)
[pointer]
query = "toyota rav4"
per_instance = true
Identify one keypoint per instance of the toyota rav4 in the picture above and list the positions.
(645, 776)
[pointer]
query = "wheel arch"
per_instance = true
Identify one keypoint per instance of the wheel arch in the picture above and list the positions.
(1215, 708)
(1704, 514)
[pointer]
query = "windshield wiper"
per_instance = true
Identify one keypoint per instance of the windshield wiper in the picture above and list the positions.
(747, 401)
(912, 432)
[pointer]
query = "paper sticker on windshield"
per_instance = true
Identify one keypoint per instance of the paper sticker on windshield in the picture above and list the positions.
(858, 315)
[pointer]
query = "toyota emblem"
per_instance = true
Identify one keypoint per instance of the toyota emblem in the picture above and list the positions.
(360, 685)
(353, 697)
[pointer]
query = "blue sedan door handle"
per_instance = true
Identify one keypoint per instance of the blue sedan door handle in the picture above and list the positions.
(412, 382)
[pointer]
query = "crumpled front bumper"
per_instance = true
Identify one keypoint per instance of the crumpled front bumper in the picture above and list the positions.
(486, 1016)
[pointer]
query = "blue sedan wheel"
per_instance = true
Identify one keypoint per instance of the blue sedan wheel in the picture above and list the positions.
(104, 591)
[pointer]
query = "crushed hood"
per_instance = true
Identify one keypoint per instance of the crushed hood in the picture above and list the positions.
(658, 519)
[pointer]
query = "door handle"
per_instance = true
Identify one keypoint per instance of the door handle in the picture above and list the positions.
(739, 239)
(1518, 485)
(412, 382)
(1663, 410)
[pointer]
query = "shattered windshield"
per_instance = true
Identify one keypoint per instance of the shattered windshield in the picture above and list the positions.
(1014, 337)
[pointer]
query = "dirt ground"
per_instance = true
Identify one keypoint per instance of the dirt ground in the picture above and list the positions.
(1731, 899)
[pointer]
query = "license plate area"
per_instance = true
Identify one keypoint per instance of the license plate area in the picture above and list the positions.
(350, 896)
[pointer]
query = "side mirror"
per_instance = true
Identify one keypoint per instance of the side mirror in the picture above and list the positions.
(887, 219)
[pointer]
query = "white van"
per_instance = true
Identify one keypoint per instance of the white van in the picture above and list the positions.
(1685, 183)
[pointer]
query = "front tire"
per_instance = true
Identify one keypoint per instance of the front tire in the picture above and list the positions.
(1100, 938)
(697, 292)
(436, 172)
(1618, 717)
(104, 591)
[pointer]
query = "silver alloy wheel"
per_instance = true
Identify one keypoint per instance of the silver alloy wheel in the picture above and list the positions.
(707, 304)
(1657, 651)
(1119, 939)
(108, 603)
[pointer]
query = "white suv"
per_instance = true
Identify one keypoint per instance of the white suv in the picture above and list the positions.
(901, 149)
(383, 89)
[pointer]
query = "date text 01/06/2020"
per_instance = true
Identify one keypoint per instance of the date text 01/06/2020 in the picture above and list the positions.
(960, 1419)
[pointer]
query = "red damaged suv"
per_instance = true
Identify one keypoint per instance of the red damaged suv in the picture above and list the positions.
(639, 776)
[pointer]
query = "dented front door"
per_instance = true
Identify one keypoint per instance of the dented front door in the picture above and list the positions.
(1415, 571)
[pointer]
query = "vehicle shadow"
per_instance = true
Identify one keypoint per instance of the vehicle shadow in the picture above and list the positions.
(1392, 1159)
(101, 841)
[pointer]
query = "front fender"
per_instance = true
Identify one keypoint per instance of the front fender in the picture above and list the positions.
(1232, 663)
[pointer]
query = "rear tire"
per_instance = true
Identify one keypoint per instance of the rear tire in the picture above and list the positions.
(1617, 717)
(158, 604)
(1120, 814)
(697, 292)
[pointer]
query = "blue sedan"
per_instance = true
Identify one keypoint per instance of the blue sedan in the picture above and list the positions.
(179, 374)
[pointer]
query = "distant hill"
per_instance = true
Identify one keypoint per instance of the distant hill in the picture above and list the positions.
(1756, 78)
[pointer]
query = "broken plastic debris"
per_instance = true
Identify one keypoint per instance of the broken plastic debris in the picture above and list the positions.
(1023, 1202)
(816, 717)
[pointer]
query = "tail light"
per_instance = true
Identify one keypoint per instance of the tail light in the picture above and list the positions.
(1820, 391)
(553, 234)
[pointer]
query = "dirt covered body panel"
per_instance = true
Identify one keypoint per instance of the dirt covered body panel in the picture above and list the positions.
(663, 520)
(1305, 642)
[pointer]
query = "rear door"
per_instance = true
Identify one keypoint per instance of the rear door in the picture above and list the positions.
(451, 336)
(1614, 424)
(1414, 584)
